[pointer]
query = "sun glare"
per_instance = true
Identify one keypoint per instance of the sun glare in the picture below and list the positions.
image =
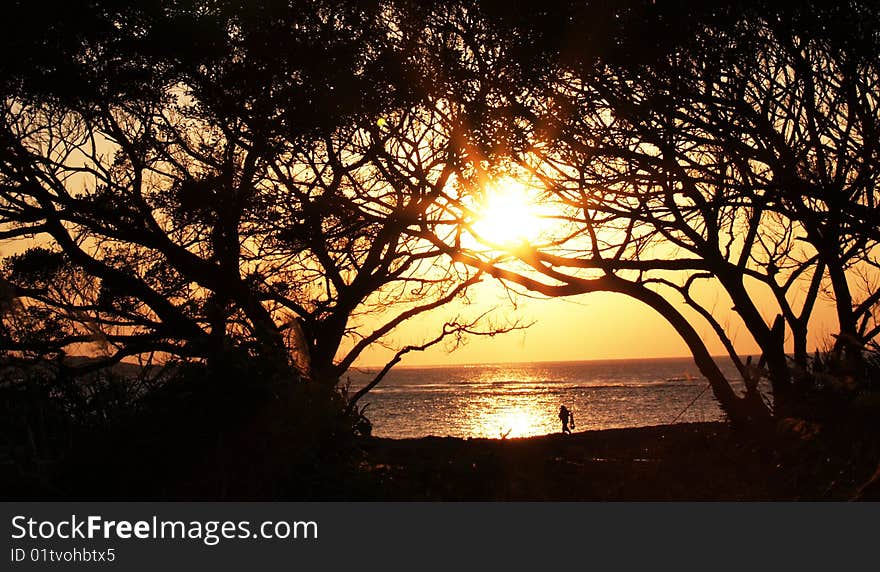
(515, 423)
(518, 418)
(507, 215)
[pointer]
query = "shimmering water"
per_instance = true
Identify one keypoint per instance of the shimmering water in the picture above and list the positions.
(519, 400)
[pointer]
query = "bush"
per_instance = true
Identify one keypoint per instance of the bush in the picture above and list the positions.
(182, 432)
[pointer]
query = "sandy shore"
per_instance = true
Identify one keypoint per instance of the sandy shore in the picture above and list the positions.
(693, 461)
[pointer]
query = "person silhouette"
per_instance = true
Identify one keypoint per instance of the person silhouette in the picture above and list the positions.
(566, 417)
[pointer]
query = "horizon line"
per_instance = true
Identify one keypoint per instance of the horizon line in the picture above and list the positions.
(443, 365)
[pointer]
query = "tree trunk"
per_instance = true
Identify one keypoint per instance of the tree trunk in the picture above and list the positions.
(742, 412)
(771, 340)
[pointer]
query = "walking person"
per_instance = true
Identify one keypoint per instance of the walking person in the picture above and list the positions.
(566, 417)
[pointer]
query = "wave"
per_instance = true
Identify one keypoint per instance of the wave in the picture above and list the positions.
(518, 386)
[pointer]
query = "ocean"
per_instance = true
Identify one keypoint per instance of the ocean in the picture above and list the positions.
(522, 399)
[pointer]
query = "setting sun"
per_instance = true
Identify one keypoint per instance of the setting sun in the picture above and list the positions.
(507, 214)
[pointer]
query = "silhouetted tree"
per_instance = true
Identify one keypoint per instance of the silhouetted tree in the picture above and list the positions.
(741, 152)
(238, 206)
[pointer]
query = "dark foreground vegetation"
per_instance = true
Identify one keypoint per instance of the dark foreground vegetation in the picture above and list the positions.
(688, 461)
(185, 434)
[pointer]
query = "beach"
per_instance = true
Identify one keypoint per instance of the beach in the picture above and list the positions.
(685, 461)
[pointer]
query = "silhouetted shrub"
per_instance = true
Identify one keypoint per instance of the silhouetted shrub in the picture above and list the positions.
(182, 432)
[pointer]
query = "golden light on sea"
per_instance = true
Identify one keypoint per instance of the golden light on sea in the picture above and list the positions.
(513, 416)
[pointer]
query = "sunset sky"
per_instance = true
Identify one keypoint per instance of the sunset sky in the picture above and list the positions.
(592, 326)
(586, 327)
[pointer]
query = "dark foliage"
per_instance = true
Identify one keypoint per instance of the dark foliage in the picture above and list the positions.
(180, 433)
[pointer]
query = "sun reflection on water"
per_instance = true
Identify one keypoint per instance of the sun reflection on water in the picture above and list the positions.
(522, 400)
(514, 415)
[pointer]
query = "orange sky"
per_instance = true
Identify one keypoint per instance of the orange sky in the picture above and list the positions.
(590, 326)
